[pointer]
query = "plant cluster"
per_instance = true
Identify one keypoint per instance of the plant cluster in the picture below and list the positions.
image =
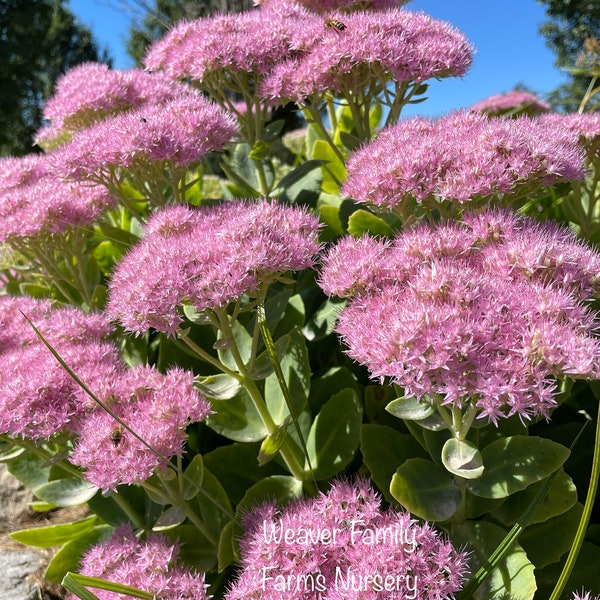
(352, 361)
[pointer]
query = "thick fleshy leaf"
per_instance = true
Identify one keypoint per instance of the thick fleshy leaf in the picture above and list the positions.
(561, 496)
(335, 434)
(514, 463)
(278, 488)
(410, 408)
(236, 468)
(512, 579)
(561, 530)
(71, 491)
(462, 458)
(237, 419)
(54, 535)
(383, 449)
(296, 371)
(218, 387)
(425, 490)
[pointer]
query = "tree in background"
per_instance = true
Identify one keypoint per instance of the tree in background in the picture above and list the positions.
(39, 41)
(155, 18)
(573, 33)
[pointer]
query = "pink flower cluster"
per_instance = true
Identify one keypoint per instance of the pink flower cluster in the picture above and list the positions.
(208, 257)
(92, 91)
(148, 563)
(342, 546)
(488, 311)
(515, 101)
(35, 202)
(292, 53)
(177, 132)
(328, 6)
(372, 48)
(585, 125)
(40, 399)
(460, 157)
(583, 595)
(156, 406)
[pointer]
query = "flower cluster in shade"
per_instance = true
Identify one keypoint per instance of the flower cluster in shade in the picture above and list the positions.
(280, 560)
(292, 54)
(149, 563)
(35, 202)
(40, 399)
(462, 157)
(584, 125)
(373, 48)
(90, 92)
(176, 132)
(208, 257)
(511, 103)
(486, 312)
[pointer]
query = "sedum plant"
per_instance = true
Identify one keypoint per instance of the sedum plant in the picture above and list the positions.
(358, 368)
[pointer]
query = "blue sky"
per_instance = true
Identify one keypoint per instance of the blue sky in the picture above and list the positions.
(509, 49)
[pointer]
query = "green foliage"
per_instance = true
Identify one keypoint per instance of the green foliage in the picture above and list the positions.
(39, 41)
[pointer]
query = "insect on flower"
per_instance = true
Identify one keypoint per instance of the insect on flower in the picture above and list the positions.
(116, 435)
(331, 23)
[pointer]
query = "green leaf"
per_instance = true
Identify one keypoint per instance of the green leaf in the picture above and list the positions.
(78, 584)
(195, 550)
(408, 407)
(236, 468)
(120, 238)
(218, 387)
(462, 458)
(296, 370)
(335, 434)
(512, 579)
(514, 463)
(383, 449)
(30, 469)
(334, 227)
(278, 488)
(302, 183)
(425, 490)
(237, 419)
(561, 530)
(172, 517)
(561, 496)
(351, 142)
(328, 384)
(70, 491)
(193, 477)
(334, 172)
(214, 503)
(242, 339)
(323, 321)
(226, 553)
(68, 558)
(362, 222)
(53, 535)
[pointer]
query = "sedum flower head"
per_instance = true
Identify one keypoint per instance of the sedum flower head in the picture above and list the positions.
(280, 559)
(328, 6)
(461, 157)
(157, 407)
(92, 91)
(490, 311)
(374, 46)
(149, 563)
(39, 398)
(177, 132)
(585, 125)
(48, 206)
(208, 257)
(512, 103)
(583, 595)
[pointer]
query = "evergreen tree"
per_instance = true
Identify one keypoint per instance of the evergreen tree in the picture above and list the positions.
(573, 33)
(39, 41)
